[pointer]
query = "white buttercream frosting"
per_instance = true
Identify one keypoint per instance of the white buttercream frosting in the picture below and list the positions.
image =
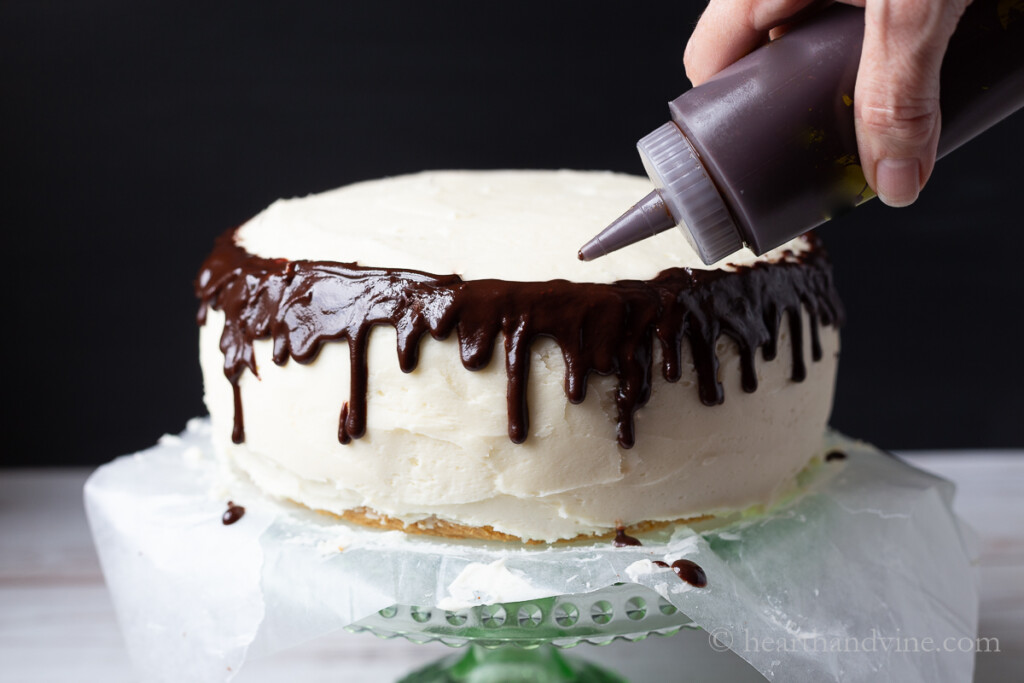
(436, 444)
(510, 225)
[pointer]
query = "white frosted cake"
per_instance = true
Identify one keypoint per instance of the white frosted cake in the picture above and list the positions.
(427, 353)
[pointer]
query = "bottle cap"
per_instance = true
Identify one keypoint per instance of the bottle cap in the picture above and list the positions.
(689, 194)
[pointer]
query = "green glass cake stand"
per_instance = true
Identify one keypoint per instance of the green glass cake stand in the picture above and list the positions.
(521, 641)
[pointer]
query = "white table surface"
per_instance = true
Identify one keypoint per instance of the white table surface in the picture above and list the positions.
(57, 623)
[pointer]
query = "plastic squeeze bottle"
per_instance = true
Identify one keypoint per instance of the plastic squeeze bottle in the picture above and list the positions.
(766, 150)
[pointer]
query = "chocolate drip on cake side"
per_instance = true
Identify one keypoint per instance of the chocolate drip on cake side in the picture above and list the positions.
(624, 540)
(608, 329)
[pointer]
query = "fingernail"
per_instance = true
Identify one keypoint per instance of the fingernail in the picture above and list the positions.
(898, 181)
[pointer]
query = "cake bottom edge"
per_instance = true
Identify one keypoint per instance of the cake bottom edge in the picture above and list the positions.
(434, 526)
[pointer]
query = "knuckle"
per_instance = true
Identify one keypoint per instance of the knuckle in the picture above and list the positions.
(910, 121)
(926, 19)
(904, 12)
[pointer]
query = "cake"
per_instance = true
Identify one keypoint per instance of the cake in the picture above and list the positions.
(426, 353)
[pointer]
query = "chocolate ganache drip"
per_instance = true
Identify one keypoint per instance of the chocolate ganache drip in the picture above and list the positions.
(608, 329)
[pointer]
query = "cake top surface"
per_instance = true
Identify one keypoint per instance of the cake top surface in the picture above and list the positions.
(510, 225)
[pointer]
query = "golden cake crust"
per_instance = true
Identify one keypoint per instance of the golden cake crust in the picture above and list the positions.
(445, 529)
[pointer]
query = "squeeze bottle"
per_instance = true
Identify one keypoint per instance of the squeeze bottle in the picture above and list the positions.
(766, 150)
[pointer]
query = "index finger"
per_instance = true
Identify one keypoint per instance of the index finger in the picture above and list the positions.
(731, 29)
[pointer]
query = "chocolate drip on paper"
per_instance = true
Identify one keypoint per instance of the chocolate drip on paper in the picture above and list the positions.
(232, 514)
(608, 329)
(687, 570)
(690, 572)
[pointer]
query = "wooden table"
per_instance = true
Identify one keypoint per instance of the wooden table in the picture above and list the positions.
(57, 623)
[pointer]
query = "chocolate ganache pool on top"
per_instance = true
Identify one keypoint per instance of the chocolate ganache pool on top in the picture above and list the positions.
(426, 353)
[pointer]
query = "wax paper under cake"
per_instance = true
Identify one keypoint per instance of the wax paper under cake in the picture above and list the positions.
(866, 574)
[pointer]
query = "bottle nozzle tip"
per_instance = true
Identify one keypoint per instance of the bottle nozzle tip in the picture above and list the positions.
(592, 250)
(647, 217)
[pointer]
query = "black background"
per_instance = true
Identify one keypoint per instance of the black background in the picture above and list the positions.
(133, 133)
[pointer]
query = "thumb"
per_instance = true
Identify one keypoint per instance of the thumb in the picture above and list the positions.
(896, 103)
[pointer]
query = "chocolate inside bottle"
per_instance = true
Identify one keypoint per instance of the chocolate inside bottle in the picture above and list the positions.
(608, 329)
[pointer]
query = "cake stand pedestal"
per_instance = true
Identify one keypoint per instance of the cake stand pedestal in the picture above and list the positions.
(522, 641)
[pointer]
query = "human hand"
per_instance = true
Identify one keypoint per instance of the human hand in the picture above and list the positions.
(896, 100)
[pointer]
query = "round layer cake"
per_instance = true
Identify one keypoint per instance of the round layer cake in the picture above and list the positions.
(427, 353)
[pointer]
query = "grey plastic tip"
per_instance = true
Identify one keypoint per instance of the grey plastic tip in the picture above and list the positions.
(644, 219)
